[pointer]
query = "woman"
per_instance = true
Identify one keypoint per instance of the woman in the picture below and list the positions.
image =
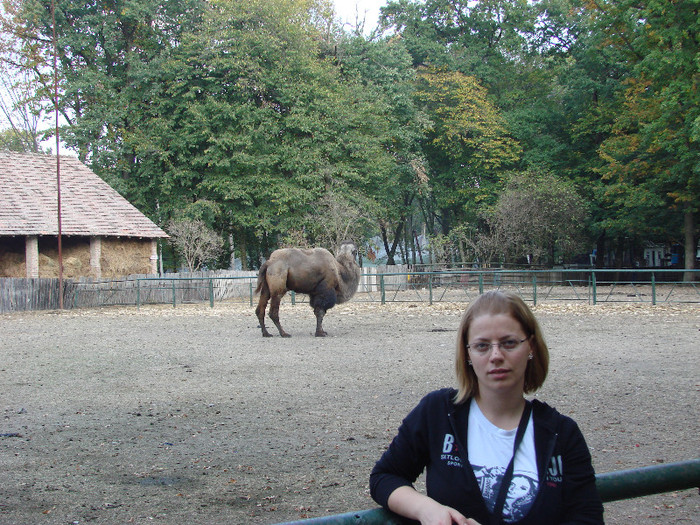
(485, 435)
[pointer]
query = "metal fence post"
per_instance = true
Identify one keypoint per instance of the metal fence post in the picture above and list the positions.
(294, 297)
(430, 289)
(653, 288)
(534, 289)
(211, 293)
(250, 286)
(381, 288)
(593, 284)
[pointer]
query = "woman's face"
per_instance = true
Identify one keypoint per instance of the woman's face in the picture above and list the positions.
(497, 369)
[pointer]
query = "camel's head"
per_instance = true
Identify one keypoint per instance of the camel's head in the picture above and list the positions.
(349, 249)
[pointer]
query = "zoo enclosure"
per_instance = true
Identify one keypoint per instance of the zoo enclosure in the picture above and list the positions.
(388, 284)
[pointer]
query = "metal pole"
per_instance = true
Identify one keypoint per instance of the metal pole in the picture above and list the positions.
(634, 483)
(58, 157)
(363, 517)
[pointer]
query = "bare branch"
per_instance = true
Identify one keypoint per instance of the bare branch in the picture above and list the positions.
(195, 242)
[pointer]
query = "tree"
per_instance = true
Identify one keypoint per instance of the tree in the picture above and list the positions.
(195, 242)
(109, 54)
(468, 144)
(235, 103)
(277, 128)
(542, 218)
(335, 218)
(539, 217)
(21, 113)
(25, 58)
(479, 39)
(652, 157)
(383, 67)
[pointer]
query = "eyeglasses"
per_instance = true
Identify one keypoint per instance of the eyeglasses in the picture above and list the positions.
(507, 345)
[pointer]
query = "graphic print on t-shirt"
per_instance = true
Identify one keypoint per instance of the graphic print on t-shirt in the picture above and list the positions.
(521, 494)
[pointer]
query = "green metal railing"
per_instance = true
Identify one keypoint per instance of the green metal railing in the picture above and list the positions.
(587, 286)
(612, 486)
(592, 286)
(644, 481)
(190, 289)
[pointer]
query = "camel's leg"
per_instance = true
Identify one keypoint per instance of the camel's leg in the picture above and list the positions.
(275, 314)
(319, 312)
(322, 300)
(260, 312)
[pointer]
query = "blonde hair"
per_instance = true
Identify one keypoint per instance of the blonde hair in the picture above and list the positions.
(494, 303)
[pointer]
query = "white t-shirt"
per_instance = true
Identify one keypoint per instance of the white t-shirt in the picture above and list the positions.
(490, 450)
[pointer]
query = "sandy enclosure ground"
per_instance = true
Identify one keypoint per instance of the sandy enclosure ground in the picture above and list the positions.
(187, 415)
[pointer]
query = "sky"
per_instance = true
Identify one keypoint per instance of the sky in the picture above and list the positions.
(347, 10)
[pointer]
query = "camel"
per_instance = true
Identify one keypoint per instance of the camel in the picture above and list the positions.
(326, 280)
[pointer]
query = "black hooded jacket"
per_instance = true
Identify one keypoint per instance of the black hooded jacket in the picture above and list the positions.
(566, 494)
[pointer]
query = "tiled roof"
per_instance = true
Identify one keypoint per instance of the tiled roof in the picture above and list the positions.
(89, 206)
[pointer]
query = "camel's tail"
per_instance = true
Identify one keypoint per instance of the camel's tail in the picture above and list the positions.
(262, 281)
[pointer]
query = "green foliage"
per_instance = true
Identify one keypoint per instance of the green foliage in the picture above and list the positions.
(542, 217)
(652, 156)
(16, 140)
(539, 218)
(383, 69)
(468, 143)
(269, 124)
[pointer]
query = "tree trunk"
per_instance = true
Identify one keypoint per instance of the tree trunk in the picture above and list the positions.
(385, 241)
(391, 252)
(690, 244)
(244, 255)
(600, 251)
(619, 251)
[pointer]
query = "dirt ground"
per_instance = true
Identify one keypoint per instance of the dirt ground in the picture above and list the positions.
(187, 415)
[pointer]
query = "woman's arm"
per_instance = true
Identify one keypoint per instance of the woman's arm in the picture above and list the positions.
(392, 478)
(582, 503)
(408, 502)
(405, 459)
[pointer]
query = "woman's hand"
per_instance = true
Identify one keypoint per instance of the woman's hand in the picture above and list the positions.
(409, 503)
(437, 514)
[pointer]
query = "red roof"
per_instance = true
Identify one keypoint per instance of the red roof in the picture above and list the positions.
(89, 206)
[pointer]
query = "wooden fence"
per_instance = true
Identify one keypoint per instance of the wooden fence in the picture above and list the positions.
(43, 293)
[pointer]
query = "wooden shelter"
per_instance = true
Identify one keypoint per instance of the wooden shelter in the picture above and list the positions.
(102, 234)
